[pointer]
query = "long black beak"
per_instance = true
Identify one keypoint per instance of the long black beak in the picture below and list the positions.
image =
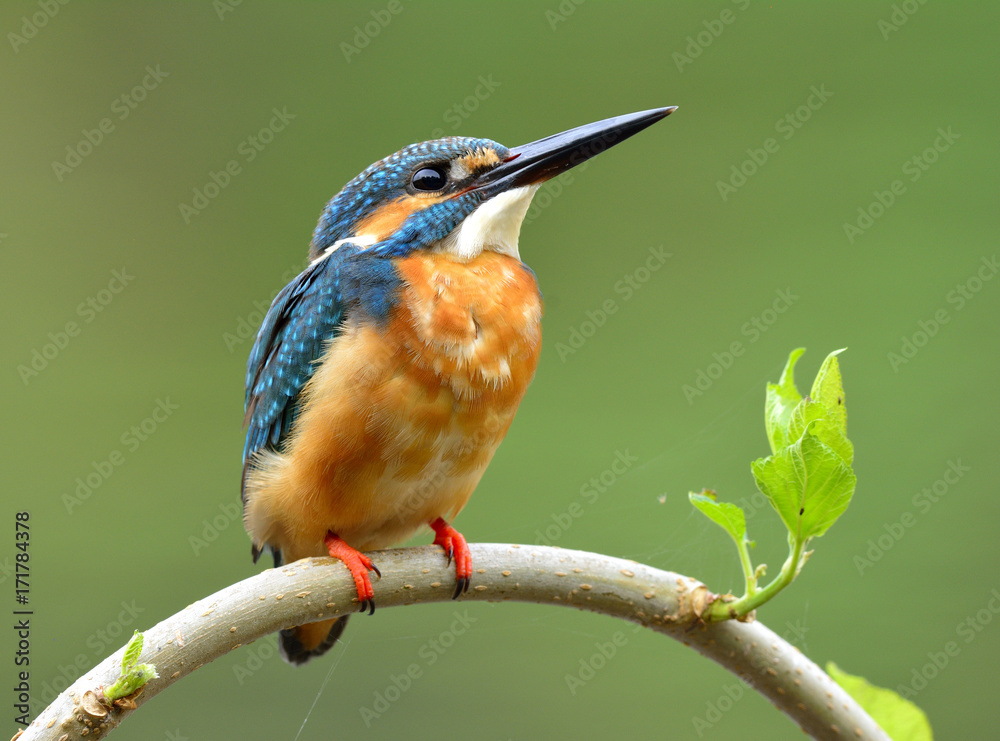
(543, 159)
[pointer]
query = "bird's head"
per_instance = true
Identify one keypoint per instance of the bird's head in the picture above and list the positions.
(461, 195)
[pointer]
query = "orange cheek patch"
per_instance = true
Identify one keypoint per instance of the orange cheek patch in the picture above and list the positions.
(385, 221)
(480, 159)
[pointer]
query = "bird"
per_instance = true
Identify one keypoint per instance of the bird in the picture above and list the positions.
(385, 375)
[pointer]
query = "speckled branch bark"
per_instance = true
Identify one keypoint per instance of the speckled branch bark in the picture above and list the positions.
(318, 588)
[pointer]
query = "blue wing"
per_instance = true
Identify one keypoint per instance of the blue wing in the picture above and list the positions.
(303, 317)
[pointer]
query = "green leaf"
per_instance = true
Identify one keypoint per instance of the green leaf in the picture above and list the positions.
(131, 681)
(808, 483)
(828, 389)
(898, 717)
(823, 423)
(727, 516)
(132, 651)
(134, 675)
(781, 398)
(805, 412)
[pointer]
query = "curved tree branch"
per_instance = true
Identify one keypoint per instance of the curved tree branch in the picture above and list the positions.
(320, 588)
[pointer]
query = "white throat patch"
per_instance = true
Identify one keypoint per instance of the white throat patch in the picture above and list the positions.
(362, 240)
(495, 225)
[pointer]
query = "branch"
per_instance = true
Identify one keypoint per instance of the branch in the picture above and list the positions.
(320, 588)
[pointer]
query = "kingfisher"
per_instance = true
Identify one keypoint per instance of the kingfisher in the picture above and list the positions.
(385, 375)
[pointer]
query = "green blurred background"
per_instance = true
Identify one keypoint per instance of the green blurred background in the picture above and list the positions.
(172, 333)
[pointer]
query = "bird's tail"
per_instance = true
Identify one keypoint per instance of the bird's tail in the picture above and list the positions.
(304, 642)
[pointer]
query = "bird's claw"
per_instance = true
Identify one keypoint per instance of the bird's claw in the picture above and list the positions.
(455, 546)
(359, 565)
(461, 587)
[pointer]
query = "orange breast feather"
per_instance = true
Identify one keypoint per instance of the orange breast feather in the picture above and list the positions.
(399, 422)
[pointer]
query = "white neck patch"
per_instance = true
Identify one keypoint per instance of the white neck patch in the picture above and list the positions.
(495, 225)
(361, 240)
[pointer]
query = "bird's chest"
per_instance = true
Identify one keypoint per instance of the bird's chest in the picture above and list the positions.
(402, 416)
(474, 327)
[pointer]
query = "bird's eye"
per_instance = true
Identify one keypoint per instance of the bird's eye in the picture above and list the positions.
(428, 178)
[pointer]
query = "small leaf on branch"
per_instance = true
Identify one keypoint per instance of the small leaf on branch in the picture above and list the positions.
(134, 675)
(899, 718)
(781, 398)
(808, 479)
(727, 516)
(828, 389)
(821, 422)
(132, 651)
(809, 485)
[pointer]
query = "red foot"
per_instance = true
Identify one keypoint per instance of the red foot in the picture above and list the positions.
(454, 545)
(359, 565)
